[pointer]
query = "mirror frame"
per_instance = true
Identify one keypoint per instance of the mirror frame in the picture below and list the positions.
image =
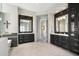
(26, 18)
(61, 13)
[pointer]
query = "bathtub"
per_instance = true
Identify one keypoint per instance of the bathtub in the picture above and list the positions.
(3, 46)
(9, 45)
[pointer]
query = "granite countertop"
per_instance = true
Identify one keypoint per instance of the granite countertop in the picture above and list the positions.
(60, 34)
(13, 34)
(25, 33)
(9, 35)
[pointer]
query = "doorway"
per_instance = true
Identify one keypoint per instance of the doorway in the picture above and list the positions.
(42, 28)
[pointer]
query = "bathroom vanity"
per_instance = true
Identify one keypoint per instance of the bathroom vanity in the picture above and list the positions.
(61, 40)
(25, 25)
(66, 26)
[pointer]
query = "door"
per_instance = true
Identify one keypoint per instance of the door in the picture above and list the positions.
(42, 28)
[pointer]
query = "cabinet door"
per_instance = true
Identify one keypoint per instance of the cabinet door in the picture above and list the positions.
(28, 38)
(58, 38)
(52, 39)
(55, 39)
(73, 18)
(66, 42)
(61, 41)
(24, 38)
(21, 38)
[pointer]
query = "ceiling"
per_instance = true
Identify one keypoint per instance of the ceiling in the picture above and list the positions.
(35, 7)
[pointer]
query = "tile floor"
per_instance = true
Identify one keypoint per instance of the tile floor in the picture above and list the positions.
(39, 49)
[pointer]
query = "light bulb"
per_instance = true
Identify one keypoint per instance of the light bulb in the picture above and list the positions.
(64, 17)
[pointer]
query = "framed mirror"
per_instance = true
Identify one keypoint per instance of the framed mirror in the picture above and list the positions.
(61, 22)
(25, 24)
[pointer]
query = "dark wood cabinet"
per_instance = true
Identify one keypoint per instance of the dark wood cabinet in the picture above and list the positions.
(58, 40)
(74, 18)
(25, 38)
(65, 42)
(72, 41)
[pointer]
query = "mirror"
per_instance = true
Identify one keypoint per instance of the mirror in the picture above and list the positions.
(61, 22)
(26, 24)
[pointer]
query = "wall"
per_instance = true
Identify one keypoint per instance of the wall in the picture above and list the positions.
(50, 25)
(42, 34)
(29, 13)
(0, 6)
(10, 14)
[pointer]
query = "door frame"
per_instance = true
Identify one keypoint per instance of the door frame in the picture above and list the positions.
(38, 25)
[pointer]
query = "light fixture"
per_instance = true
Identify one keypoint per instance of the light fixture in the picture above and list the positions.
(64, 17)
(58, 19)
(61, 18)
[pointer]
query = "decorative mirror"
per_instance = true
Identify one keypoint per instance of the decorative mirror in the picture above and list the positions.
(61, 22)
(25, 24)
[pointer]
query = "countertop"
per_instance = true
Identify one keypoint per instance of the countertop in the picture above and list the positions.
(25, 33)
(60, 34)
(9, 35)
